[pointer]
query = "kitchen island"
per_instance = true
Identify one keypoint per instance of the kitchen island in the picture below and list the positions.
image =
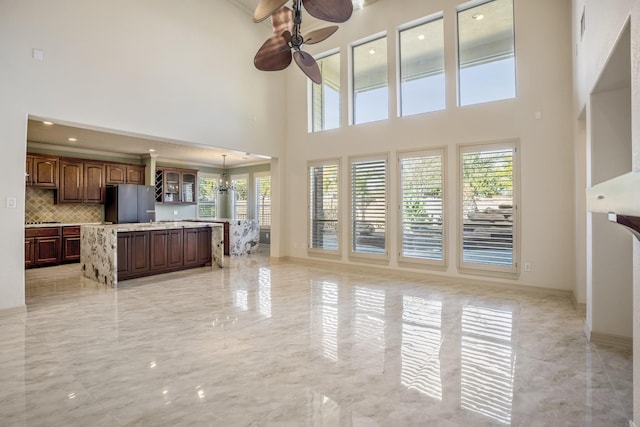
(116, 252)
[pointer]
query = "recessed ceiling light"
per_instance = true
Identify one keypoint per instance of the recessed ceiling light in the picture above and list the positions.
(421, 37)
(72, 139)
(47, 123)
(478, 17)
(372, 52)
(152, 150)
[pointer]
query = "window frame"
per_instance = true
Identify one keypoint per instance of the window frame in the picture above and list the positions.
(408, 26)
(339, 222)
(361, 255)
(413, 261)
(216, 178)
(256, 197)
(513, 271)
(352, 85)
(234, 209)
(310, 97)
(465, 7)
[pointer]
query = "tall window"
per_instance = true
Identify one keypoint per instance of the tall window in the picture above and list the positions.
(489, 208)
(369, 206)
(370, 82)
(422, 82)
(422, 209)
(207, 195)
(240, 206)
(263, 198)
(486, 52)
(325, 97)
(324, 205)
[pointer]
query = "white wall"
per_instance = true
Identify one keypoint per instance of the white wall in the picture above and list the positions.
(544, 58)
(604, 23)
(177, 70)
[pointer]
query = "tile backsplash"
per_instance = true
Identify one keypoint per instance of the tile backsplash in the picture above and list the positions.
(39, 206)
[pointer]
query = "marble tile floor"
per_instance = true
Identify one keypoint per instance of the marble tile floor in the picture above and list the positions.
(286, 344)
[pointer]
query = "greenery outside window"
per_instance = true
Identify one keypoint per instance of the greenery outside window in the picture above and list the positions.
(422, 219)
(241, 196)
(489, 208)
(207, 195)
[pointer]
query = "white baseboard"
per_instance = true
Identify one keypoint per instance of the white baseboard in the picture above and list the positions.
(617, 341)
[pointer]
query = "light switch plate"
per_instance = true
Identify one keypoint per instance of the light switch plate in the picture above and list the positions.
(12, 202)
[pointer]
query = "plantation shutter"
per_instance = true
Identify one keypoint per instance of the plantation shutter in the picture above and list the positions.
(369, 206)
(421, 180)
(488, 207)
(323, 206)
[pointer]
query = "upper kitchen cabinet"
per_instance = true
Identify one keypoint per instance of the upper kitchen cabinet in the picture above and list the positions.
(176, 185)
(124, 173)
(81, 182)
(42, 171)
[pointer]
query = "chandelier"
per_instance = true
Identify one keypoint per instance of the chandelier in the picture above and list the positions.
(223, 184)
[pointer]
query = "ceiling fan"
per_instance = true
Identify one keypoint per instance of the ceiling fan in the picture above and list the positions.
(286, 44)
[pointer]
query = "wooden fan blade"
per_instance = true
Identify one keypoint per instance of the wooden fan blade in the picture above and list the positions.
(317, 36)
(282, 20)
(329, 10)
(273, 55)
(265, 8)
(308, 65)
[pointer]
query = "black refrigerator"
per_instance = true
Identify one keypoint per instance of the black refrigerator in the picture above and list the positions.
(126, 203)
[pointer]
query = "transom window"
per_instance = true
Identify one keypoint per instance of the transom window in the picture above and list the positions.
(370, 81)
(486, 52)
(422, 80)
(325, 97)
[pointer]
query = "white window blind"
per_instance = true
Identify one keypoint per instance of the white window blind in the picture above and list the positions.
(323, 206)
(263, 199)
(422, 212)
(368, 206)
(488, 201)
(240, 208)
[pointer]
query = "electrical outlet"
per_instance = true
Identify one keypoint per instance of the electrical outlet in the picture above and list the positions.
(527, 267)
(175, 212)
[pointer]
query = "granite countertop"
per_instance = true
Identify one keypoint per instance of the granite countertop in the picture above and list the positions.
(154, 225)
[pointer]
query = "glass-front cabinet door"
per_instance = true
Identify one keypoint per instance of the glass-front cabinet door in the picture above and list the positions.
(171, 186)
(189, 187)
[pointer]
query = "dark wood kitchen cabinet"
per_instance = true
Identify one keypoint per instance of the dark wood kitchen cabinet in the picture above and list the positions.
(197, 247)
(124, 174)
(42, 246)
(71, 244)
(144, 253)
(166, 249)
(94, 185)
(176, 186)
(81, 182)
(133, 254)
(41, 171)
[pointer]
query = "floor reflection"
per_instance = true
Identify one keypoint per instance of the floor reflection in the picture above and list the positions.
(488, 362)
(368, 348)
(421, 339)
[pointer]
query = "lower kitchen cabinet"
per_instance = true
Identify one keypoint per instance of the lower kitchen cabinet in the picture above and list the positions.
(133, 254)
(144, 253)
(71, 244)
(42, 246)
